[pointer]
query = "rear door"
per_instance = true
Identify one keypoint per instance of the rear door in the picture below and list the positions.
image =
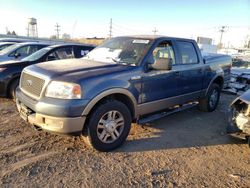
(191, 70)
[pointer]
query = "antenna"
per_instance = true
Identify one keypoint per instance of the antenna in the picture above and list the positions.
(57, 30)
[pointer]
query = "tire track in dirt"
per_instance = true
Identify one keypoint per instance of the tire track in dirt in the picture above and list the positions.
(17, 148)
(26, 162)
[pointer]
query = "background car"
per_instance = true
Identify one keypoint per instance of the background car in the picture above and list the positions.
(239, 117)
(5, 44)
(10, 71)
(20, 50)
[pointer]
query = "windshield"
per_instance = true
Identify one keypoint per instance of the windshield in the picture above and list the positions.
(35, 56)
(124, 50)
(9, 49)
(2, 46)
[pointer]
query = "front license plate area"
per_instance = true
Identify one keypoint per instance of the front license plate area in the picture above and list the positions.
(24, 112)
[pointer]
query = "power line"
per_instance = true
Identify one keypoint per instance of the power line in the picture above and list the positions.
(155, 31)
(222, 30)
(57, 30)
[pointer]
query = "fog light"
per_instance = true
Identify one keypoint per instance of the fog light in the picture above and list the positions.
(54, 123)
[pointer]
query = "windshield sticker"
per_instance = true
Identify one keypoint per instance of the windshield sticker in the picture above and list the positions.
(139, 41)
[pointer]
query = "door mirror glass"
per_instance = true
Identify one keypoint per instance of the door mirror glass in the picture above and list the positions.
(17, 54)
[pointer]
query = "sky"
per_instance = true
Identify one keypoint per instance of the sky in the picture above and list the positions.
(178, 18)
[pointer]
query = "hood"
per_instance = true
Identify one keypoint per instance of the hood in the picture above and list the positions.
(76, 68)
(245, 97)
(10, 62)
(4, 58)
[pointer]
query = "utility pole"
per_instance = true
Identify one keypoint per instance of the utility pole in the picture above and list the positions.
(110, 28)
(222, 30)
(57, 30)
(155, 31)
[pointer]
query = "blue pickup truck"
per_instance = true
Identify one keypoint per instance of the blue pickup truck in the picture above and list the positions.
(124, 80)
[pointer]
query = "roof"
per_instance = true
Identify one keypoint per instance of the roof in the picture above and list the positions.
(1, 43)
(70, 44)
(25, 43)
(154, 37)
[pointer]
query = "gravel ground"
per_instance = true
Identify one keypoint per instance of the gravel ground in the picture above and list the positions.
(187, 149)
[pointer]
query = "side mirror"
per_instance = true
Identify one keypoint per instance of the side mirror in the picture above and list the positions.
(162, 64)
(16, 55)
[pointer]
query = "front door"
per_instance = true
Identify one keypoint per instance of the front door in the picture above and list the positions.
(159, 86)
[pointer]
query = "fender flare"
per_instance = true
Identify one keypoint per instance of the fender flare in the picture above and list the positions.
(212, 81)
(106, 93)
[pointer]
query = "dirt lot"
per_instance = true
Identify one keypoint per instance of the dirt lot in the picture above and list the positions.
(188, 149)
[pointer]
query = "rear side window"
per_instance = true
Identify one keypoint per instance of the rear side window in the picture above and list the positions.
(187, 52)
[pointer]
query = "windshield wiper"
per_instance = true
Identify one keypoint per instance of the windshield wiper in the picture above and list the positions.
(115, 60)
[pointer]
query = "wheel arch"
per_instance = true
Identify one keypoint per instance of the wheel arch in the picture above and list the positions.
(119, 94)
(10, 83)
(216, 80)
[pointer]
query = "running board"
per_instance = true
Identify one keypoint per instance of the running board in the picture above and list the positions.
(153, 117)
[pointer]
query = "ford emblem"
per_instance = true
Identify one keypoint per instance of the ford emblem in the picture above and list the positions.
(29, 82)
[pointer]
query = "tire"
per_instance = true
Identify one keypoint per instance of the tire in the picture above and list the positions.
(210, 102)
(12, 89)
(108, 126)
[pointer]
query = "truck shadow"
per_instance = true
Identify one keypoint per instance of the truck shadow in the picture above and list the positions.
(186, 129)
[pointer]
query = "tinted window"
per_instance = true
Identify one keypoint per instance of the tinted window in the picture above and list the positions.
(187, 52)
(62, 53)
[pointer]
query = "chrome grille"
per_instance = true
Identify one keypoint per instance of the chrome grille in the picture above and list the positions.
(32, 84)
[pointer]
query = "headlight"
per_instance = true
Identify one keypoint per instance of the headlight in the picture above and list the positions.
(63, 90)
(2, 69)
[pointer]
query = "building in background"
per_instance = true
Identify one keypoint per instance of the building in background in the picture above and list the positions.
(206, 45)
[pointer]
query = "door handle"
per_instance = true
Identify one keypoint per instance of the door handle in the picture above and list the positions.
(177, 73)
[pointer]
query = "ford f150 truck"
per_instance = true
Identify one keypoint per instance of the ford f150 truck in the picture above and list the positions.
(124, 80)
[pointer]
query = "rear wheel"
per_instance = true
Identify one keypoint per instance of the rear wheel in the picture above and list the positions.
(210, 102)
(109, 125)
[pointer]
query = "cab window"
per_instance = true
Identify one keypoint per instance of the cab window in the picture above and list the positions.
(187, 52)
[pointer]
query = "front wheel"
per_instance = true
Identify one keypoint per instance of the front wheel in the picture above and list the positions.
(109, 125)
(210, 102)
(12, 89)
